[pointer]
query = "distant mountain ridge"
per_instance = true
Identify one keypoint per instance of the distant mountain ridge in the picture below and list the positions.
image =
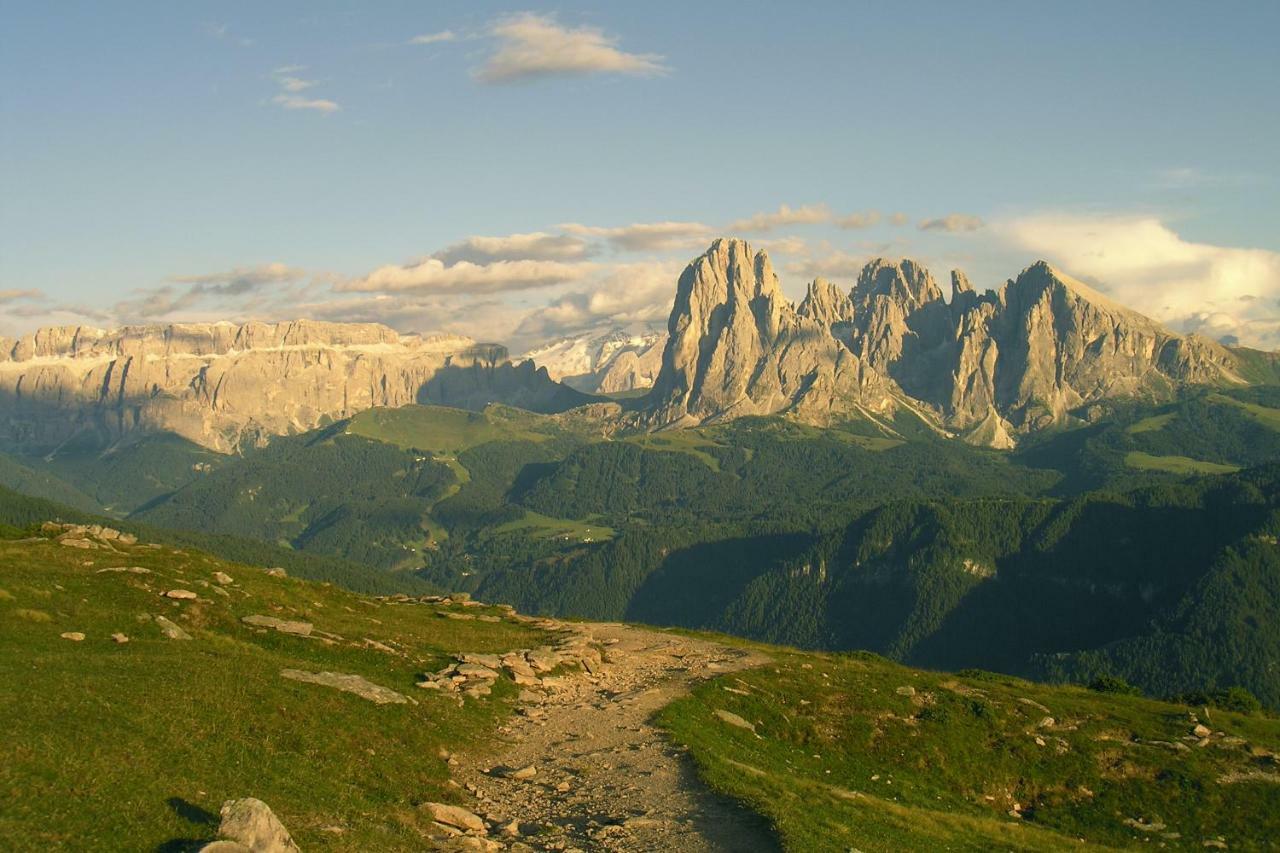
(227, 386)
(608, 362)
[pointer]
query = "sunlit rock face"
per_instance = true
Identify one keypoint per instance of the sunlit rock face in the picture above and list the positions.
(989, 366)
(220, 385)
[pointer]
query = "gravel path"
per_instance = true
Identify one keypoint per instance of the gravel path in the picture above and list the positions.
(585, 770)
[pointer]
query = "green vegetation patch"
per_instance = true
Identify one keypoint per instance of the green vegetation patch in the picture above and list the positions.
(136, 744)
(1184, 465)
(443, 430)
(843, 751)
(689, 441)
(1154, 423)
(544, 527)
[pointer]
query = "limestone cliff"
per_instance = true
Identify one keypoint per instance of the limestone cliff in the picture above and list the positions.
(988, 366)
(737, 347)
(228, 386)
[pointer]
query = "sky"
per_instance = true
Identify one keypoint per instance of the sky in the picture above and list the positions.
(518, 173)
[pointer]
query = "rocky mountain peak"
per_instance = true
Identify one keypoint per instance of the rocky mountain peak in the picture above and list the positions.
(904, 282)
(826, 303)
(736, 346)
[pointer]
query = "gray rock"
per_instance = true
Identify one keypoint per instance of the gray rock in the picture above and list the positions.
(355, 684)
(284, 626)
(170, 630)
(734, 720)
(251, 823)
(455, 816)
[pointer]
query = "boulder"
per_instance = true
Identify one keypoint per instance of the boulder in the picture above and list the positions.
(252, 824)
(170, 630)
(455, 816)
(181, 594)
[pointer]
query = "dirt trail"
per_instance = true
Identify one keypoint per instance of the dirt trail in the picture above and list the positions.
(605, 778)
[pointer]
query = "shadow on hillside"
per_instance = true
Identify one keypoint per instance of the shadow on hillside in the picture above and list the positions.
(693, 586)
(522, 386)
(194, 814)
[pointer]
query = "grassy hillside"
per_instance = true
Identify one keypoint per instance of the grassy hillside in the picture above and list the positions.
(18, 510)
(20, 477)
(136, 744)
(852, 751)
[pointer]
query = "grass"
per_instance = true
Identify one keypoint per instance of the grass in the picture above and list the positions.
(1175, 464)
(844, 755)
(540, 526)
(447, 432)
(687, 441)
(138, 744)
(1155, 423)
(1264, 415)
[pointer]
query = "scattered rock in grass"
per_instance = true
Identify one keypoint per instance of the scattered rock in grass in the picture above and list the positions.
(30, 615)
(251, 823)
(455, 816)
(284, 626)
(461, 617)
(181, 594)
(119, 638)
(1031, 703)
(170, 630)
(75, 636)
(1046, 723)
(734, 720)
(223, 578)
(1201, 730)
(277, 572)
(905, 691)
(132, 570)
(355, 684)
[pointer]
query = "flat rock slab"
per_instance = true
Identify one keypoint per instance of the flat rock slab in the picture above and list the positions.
(284, 626)
(347, 683)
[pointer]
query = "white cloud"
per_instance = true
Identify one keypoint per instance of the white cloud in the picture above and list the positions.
(646, 236)
(532, 46)
(433, 275)
(296, 102)
(291, 87)
(295, 84)
(805, 214)
(952, 223)
(434, 38)
(629, 294)
(233, 290)
(835, 264)
(1227, 293)
(538, 246)
(863, 219)
(10, 296)
(899, 219)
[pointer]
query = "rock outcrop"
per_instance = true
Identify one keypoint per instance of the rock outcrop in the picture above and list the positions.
(227, 387)
(737, 347)
(987, 366)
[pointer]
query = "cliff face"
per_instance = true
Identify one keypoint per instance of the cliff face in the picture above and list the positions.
(226, 386)
(987, 366)
(737, 347)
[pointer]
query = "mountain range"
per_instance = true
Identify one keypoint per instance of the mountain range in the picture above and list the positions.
(1045, 350)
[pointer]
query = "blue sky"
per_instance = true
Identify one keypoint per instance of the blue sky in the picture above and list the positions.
(166, 161)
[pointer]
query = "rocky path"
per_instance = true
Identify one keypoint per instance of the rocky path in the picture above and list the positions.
(585, 770)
